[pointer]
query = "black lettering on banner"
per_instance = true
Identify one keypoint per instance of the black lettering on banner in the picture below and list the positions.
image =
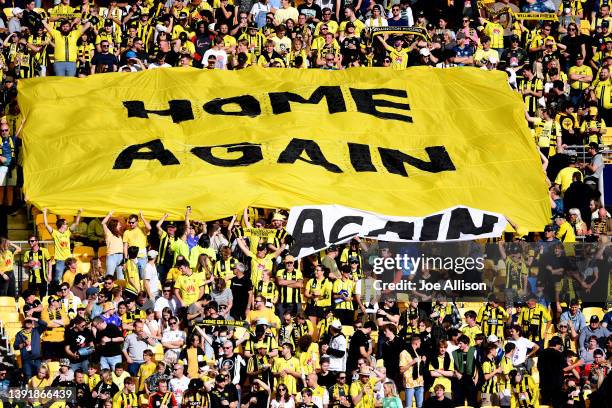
(249, 106)
(251, 153)
(156, 151)
(394, 160)
(281, 101)
(340, 224)
(431, 227)
(461, 223)
(403, 229)
(296, 147)
(314, 239)
(178, 109)
(361, 158)
(365, 102)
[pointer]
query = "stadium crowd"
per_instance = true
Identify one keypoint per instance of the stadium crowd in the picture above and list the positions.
(218, 314)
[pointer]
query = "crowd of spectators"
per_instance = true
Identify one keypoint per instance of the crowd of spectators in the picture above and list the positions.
(216, 314)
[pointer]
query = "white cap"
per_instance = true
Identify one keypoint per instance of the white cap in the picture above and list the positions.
(263, 321)
(152, 254)
(336, 324)
(17, 10)
(424, 52)
(492, 339)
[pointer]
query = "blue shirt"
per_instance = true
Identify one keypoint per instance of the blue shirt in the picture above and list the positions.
(6, 151)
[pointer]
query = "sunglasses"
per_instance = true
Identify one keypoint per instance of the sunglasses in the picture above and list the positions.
(227, 348)
(173, 322)
(33, 240)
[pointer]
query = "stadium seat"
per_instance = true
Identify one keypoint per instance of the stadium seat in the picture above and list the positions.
(83, 250)
(8, 317)
(120, 282)
(8, 12)
(102, 252)
(69, 218)
(348, 331)
(83, 267)
(51, 218)
(8, 301)
(20, 304)
(592, 311)
(53, 368)
(43, 234)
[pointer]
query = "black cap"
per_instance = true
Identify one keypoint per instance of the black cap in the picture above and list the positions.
(350, 24)
(353, 259)
(332, 248)
(573, 159)
(548, 228)
(220, 378)
(594, 319)
(252, 25)
(514, 38)
(430, 27)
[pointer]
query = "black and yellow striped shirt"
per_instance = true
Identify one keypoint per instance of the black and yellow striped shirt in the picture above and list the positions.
(287, 294)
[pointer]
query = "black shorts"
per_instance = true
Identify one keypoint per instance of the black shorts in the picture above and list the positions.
(316, 311)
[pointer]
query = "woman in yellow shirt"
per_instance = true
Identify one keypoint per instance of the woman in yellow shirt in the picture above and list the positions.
(260, 261)
(114, 245)
(42, 379)
(61, 239)
(7, 263)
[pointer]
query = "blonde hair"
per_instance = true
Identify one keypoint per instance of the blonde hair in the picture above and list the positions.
(390, 388)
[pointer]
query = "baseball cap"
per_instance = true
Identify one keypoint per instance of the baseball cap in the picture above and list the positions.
(492, 339)
(425, 52)
(152, 254)
(64, 362)
(130, 54)
(262, 320)
(549, 228)
(17, 10)
(332, 248)
(514, 38)
(182, 14)
(278, 217)
(171, 224)
(336, 324)
(109, 306)
(350, 24)
(573, 159)
(594, 319)
(92, 291)
(353, 259)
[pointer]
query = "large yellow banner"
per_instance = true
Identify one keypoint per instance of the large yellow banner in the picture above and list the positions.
(397, 143)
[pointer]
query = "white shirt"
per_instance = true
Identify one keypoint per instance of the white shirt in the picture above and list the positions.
(156, 65)
(338, 363)
(520, 355)
(151, 276)
(221, 58)
(376, 22)
(178, 387)
(162, 303)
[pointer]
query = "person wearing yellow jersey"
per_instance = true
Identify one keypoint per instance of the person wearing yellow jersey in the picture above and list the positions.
(327, 22)
(126, 398)
(350, 17)
(535, 321)
(57, 320)
(398, 54)
(491, 372)
(93, 378)
(290, 283)
(188, 288)
(531, 88)
(503, 380)
(61, 239)
(343, 291)
(565, 233)
(412, 366)
(136, 236)
(42, 379)
(601, 91)
(524, 391)
(318, 294)
(362, 390)
(593, 128)
(471, 329)
(565, 175)
(146, 369)
(66, 50)
(286, 369)
(580, 77)
(492, 317)
(442, 368)
(495, 31)
(547, 132)
(259, 261)
(132, 277)
(8, 250)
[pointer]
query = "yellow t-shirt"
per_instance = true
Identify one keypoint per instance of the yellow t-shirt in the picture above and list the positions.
(7, 261)
(131, 273)
(583, 70)
(281, 363)
(359, 25)
(409, 381)
(258, 265)
(136, 237)
(471, 332)
(496, 32)
(399, 59)
(68, 277)
(189, 287)
(66, 49)
(62, 244)
(367, 400)
(445, 381)
(566, 233)
(324, 287)
(564, 177)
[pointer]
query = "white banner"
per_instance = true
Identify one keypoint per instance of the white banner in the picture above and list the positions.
(316, 227)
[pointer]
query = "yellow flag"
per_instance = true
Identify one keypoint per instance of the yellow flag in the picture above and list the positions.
(397, 143)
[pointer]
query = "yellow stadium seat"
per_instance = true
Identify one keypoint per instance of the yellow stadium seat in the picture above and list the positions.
(102, 252)
(120, 282)
(14, 325)
(43, 234)
(51, 218)
(8, 317)
(8, 12)
(592, 311)
(84, 250)
(7, 309)
(8, 301)
(20, 304)
(83, 267)
(51, 249)
(69, 218)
